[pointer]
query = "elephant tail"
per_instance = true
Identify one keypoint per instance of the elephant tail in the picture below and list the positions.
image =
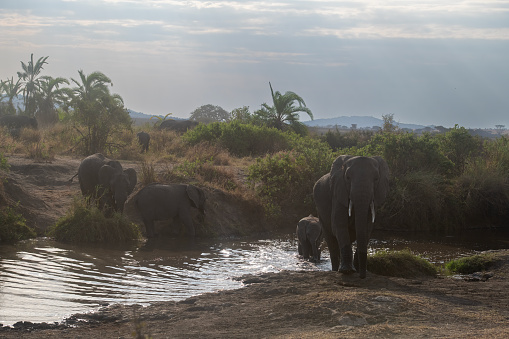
(74, 176)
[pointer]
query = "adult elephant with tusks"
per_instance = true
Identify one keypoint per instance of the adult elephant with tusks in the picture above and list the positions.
(162, 202)
(105, 180)
(346, 199)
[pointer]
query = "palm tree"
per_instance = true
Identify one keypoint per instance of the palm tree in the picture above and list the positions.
(284, 110)
(98, 113)
(31, 83)
(10, 90)
(92, 87)
(48, 96)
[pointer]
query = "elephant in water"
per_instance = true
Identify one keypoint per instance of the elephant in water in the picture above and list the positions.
(105, 180)
(346, 199)
(143, 140)
(161, 202)
(179, 126)
(309, 234)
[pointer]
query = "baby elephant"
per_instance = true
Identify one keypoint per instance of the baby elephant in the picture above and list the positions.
(309, 233)
(162, 202)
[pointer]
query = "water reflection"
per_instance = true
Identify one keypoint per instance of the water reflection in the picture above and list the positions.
(44, 281)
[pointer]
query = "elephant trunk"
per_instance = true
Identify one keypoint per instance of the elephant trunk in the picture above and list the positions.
(120, 199)
(363, 226)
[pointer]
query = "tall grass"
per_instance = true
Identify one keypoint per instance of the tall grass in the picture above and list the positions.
(87, 224)
(13, 226)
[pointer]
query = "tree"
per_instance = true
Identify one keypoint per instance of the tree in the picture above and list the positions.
(241, 114)
(31, 82)
(10, 90)
(389, 125)
(284, 110)
(49, 95)
(209, 113)
(100, 113)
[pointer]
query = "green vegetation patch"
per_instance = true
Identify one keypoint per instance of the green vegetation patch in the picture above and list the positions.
(88, 224)
(400, 264)
(469, 265)
(13, 226)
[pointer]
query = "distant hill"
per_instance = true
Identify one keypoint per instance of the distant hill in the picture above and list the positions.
(361, 121)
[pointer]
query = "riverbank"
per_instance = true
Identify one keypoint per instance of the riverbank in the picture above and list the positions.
(310, 304)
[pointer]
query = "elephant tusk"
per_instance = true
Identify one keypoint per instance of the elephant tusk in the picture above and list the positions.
(350, 209)
(372, 212)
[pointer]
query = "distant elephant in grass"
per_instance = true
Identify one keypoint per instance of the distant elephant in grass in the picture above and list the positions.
(161, 202)
(346, 199)
(18, 122)
(15, 123)
(143, 140)
(309, 234)
(179, 126)
(105, 180)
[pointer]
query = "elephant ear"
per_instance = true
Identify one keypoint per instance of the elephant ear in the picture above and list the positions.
(337, 182)
(133, 179)
(106, 174)
(383, 183)
(195, 194)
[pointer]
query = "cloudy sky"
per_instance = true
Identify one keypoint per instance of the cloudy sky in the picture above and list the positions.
(427, 62)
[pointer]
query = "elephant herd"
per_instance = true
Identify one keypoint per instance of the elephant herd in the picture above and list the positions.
(105, 181)
(346, 199)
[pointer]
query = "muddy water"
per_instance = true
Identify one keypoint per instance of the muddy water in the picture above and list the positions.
(45, 281)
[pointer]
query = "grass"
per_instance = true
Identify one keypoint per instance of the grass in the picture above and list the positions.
(400, 264)
(86, 223)
(13, 226)
(469, 265)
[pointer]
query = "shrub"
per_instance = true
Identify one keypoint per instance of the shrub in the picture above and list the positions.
(85, 224)
(13, 226)
(407, 152)
(469, 265)
(484, 195)
(285, 179)
(458, 145)
(238, 138)
(400, 264)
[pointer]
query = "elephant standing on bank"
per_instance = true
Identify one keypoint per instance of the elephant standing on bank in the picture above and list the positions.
(105, 180)
(309, 234)
(143, 140)
(161, 202)
(346, 199)
(179, 126)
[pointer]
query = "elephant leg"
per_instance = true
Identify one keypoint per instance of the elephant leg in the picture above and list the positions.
(316, 252)
(149, 227)
(299, 248)
(187, 220)
(362, 258)
(332, 244)
(346, 265)
(305, 250)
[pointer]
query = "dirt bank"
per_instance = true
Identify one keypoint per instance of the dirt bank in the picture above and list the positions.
(310, 305)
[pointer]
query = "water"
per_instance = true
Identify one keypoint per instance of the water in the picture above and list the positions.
(45, 281)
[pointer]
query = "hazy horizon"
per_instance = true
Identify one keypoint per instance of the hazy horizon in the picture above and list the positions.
(427, 63)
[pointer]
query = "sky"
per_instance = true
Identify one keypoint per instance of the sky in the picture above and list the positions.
(429, 62)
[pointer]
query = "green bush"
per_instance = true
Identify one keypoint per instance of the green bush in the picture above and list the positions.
(286, 179)
(400, 264)
(407, 152)
(469, 265)
(239, 139)
(13, 226)
(85, 224)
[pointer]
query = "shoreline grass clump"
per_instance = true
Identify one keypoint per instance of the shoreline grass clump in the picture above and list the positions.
(471, 264)
(86, 224)
(401, 264)
(13, 227)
